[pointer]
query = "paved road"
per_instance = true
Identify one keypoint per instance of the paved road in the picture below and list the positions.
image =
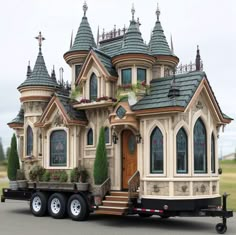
(16, 218)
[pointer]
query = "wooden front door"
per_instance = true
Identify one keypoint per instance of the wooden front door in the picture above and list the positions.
(129, 157)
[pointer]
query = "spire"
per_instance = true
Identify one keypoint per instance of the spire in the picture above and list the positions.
(133, 11)
(85, 8)
(98, 36)
(39, 75)
(53, 74)
(158, 44)
(84, 39)
(133, 41)
(71, 39)
(198, 60)
(171, 45)
(174, 90)
(29, 71)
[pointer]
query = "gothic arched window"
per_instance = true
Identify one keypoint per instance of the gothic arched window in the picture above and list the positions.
(29, 147)
(200, 147)
(93, 88)
(90, 137)
(182, 151)
(213, 161)
(58, 148)
(156, 151)
(107, 135)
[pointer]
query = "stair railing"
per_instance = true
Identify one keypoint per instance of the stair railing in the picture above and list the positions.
(103, 188)
(133, 185)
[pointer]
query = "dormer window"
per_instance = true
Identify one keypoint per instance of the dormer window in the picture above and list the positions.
(126, 76)
(141, 75)
(93, 88)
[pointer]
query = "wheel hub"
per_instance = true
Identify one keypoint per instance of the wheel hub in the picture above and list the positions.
(75, 207)
(37, 204)
(55, 205)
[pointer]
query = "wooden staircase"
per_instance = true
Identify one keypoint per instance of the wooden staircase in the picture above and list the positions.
(114, 204)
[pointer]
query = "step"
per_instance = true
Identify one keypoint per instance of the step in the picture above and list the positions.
(117, 198)
(115, 203)
(119, 193)
(113, 208)
(106, 212)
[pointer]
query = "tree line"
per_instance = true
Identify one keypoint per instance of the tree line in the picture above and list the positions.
(4, 155)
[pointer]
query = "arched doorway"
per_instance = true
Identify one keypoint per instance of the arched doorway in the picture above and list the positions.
(129, 156)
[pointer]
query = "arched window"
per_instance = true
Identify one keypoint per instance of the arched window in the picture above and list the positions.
(156, 151)
(29, 147)
(107, 136)
(90, 137)
(58, 148)
(200, 147)
(182, 151)
(213, 161)
(93, 88)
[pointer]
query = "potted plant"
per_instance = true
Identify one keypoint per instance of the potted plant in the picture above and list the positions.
(13, 164)
(20, 178)
(36, 173)
(79, 176)
(100, 170)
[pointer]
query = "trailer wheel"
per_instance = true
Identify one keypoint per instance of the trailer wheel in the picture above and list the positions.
(77, 208)
(221, 228)
(142, 215)
(38, 204)
(57, 205)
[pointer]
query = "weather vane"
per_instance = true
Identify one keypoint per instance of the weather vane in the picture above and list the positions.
(85, 8)
(40, 38)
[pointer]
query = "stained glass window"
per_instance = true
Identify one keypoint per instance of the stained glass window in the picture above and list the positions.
(77, 70)
(213, 161)
(131, 144)
(141, 75)
(29, 148)
(156, 151)
(90, 137)
(58, 148)
(107, 135)
(126, 76)
(93, 88)
(200, 147)
(182, 151)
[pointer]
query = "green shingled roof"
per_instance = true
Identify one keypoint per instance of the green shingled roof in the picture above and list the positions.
(158, 44)
(133, 42)
(106, 61)
(158, 98)
(39, 76)
(84, 38)
(73, 113)
(111, 47)
(19, 119)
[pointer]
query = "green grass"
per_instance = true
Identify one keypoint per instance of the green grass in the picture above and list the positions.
(228, 181)
(3, 185)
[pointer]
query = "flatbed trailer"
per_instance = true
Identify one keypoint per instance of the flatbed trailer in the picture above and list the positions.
(79, 204)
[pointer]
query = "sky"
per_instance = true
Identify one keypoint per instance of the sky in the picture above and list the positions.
(207, 23)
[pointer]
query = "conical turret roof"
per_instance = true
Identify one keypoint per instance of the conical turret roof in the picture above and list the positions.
(39, 75)
(158, 44)
(84, 39)
(133, 41)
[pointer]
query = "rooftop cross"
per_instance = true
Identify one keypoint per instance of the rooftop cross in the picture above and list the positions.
(40, 38)
(158, 12)
(132, 11)
(85, 8)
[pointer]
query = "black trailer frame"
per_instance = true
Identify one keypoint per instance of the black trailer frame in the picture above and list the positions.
(222, 212)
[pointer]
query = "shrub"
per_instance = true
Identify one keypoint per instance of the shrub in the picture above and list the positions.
(100, 170)
(55, 175)
(20, 174)
(36, 173)
(46, 176)
(63, 176)
(74, 175)
(83, 175)
(13, 161)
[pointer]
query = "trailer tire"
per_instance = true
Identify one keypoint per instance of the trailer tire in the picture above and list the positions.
(142, 215)
(38, 204)
(57, 205)
(221, 228)
(77, 208)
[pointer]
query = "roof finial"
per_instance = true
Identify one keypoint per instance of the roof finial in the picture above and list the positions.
(132, 11)
(85, 8)
(171, 44)
(40, 38)
(71, 40)
(198, 60)
(29, 71)
(158, 12)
